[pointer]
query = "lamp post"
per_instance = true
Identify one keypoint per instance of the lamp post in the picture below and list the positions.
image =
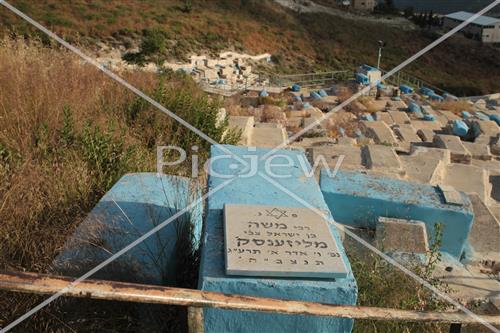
(381, 45)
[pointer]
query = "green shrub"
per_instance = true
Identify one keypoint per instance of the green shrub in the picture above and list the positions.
(67, 131)
(104, 154)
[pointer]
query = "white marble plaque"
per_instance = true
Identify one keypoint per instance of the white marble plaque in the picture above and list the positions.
(280, 241)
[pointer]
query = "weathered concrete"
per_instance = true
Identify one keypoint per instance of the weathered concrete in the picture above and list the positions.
(485, 232)
(399, 117)
(426, 165)
(426, 125)
(407, 133)
(385, 117)
(245, 125)
(448, 115)
(258, 191)
(459, 154)
(315, 142)
(382, 159)
(426, 135)
(467, 178)
(380, 132)
(467, 283)
(344, 140)
(268, 137)
(478, 151)
(268, 125)
(359, 200)
(331, 154)
(400, 235)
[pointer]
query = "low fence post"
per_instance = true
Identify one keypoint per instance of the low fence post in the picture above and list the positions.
(195, 320)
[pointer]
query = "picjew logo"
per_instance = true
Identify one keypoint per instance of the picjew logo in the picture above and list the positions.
(227, 166)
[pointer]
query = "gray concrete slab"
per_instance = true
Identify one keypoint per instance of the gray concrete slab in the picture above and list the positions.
(382, 159)
(380, 132)
(468, 178)
(352, 156)
(268, 125)
(399, 117)
(399, 235)
(406, 133)
(426, 165)
(478, 151)
(426, 135)
(268, 137)
(459, 154)
(427, 125)
(385, 117)
(485, 233)
(245, 125)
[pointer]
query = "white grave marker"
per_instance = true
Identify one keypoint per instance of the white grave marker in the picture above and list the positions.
(280, 241)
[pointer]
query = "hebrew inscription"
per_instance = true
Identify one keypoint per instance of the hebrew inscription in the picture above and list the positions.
(281, 242)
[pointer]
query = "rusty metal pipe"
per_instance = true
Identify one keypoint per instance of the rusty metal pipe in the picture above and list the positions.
(131, 292)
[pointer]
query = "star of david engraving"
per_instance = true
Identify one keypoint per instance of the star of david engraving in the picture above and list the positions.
(276, 213)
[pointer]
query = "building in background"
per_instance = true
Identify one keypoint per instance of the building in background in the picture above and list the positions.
(484, 28)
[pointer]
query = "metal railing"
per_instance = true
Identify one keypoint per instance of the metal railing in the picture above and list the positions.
(131, 292)
(311, 79)
(412, 81)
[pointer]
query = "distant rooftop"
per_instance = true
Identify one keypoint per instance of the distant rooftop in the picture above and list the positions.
(481, 20)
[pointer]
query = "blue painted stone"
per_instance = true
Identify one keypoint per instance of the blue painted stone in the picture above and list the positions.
(465, 114)
(315, 95)
(495, 118)
(322, 93)
(436, 97)
(147, 200)
(296, 88)
(297, 98)
(255, 190)
(362, 78)
(406, 89)
(427, 91)
(358, 200)
(307, 106)
(460, 128)
(414, 107)
(264, 93)
(429, 117)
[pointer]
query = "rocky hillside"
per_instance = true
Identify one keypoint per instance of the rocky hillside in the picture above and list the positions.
(300, 42)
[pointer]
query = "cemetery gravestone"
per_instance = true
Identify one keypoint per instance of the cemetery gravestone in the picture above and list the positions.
(280, 241)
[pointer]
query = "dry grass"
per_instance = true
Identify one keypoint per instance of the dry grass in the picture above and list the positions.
(454, 106)
(67, 133)
(37, 203)
(46, 188)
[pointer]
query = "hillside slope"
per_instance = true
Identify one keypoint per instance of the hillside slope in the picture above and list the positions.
(300, 42)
